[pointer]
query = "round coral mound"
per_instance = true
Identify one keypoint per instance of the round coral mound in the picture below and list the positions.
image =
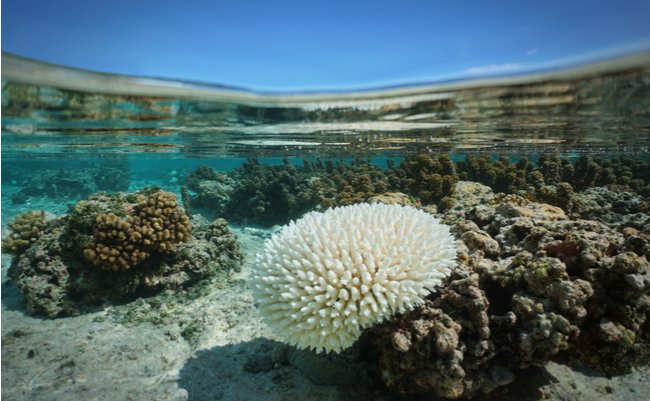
(326, 276)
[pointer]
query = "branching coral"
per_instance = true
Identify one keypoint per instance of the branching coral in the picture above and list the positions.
(427, 178)
(345, 184)
(154, 226)
(25, 229)
(552, 178)
(501, 175)
(266, 194)
(270, 195)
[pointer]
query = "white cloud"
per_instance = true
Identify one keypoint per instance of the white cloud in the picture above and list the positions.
(532, 51)
(493, 68)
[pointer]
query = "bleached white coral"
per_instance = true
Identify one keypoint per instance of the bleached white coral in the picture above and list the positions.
(322, 279)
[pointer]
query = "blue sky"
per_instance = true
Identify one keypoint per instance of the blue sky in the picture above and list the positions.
(320, 45)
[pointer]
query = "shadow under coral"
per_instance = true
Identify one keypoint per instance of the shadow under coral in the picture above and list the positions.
(250, 370)
(239, 371)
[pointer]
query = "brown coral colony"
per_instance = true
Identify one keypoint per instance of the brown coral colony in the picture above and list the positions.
(25, 230)
(154, 226)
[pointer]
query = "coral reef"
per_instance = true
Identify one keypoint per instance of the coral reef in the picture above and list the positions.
(264, 194)
(109, 175)
(202, 173)
(325, 277)
(155, 224)
(112, 174)
(268, 195)
(344, 184)
(441, 347)
(543, 178)
(615, 207)
(25, 229)
(41, 273)
(55, 184)
(428, 179)
(212, 189)
(501, 175)
(214, 246)
(56, 277)
(534, 286)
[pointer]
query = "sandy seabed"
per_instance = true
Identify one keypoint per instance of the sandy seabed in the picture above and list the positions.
(94, 357)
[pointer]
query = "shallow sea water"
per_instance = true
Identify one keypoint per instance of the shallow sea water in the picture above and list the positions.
(68, 134)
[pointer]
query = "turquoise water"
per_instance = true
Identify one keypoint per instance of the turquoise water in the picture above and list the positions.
(69, 134)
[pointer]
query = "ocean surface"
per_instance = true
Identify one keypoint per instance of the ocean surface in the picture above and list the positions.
(68, 134)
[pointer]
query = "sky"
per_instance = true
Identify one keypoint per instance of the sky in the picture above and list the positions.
(321, 45)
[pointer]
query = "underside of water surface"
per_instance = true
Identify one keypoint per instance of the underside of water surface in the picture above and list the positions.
(596, 109)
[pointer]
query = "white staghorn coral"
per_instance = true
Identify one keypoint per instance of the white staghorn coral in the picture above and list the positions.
(325, 277)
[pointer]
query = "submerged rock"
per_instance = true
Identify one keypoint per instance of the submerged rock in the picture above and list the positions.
(616, 208)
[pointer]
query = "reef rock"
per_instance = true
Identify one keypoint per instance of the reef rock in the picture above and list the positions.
(57, 277)
(394, 198)
(533, 286)
(212, 189)
(616, 208)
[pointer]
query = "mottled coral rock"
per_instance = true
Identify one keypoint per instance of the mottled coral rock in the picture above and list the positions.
(42, 274)
(616, 208)
(214, 195)
(394, 198)
(212, 189)
(551, 288)
(466, 196)
(439, 347)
